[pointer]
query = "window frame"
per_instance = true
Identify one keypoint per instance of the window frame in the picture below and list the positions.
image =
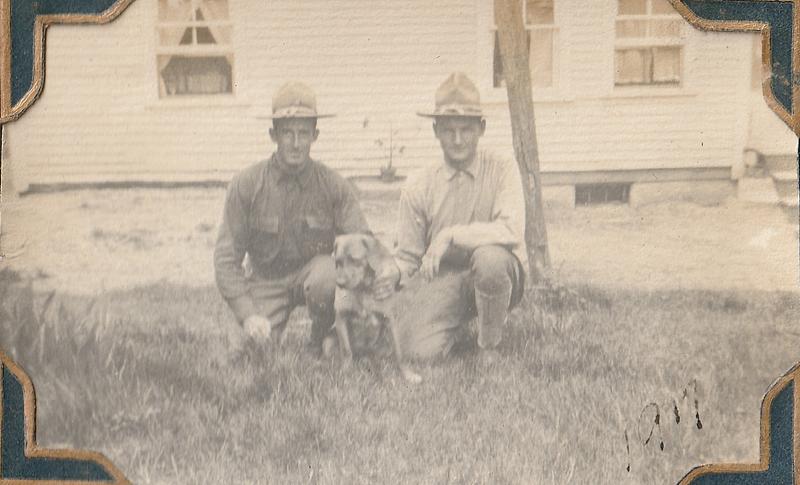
(194, 49)
(650, 43)
(486, 47)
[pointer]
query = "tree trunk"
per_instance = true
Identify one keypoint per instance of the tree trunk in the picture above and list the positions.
(517, 75)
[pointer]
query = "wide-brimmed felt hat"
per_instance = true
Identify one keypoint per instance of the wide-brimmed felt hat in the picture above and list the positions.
(294, 100)
(457, 96)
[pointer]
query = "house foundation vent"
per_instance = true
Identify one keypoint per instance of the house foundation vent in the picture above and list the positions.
(594, 194)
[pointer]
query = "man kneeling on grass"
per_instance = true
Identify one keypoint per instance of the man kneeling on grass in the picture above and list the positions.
(464, 215)
(284, 214)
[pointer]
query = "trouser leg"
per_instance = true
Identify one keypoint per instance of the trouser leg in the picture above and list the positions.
(430, 315)
(497, 286)
(272, 301)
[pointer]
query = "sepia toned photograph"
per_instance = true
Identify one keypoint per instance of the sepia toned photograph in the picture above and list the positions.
(360, 242)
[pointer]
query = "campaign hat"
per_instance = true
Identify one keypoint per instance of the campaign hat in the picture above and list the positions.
(295, 100)
(457, 96)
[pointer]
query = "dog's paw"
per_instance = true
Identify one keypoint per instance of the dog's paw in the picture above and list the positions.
(329, 347)
(411, 376)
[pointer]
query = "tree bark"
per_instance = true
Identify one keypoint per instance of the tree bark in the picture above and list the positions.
(517, 75)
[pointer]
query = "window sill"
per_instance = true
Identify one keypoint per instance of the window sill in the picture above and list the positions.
(198, 102)
(649, 92)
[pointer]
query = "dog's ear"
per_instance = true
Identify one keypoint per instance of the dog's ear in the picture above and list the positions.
(377, 254)
(341, 246)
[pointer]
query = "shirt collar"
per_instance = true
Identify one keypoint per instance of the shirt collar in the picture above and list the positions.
(450, 172)
(286, 173)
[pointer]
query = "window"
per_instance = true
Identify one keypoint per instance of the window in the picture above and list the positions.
(649, 44)
(195, 56)
(542, 33)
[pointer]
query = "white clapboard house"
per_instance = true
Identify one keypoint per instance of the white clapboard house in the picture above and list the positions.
(627, 94)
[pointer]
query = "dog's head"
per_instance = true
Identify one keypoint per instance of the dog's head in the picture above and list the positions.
(358, 257)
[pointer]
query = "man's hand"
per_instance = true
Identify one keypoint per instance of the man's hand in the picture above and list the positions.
(386, 280)
(257, 327)
(437, 250)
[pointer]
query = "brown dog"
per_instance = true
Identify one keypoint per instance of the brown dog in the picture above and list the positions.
(361, 320)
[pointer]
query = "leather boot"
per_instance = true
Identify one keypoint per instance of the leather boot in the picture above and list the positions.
(492, 314)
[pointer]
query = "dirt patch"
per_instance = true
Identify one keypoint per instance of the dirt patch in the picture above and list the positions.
(91, 241)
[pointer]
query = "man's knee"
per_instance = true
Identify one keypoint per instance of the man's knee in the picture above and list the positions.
(320, 284)
(493, 268)
(428, 316)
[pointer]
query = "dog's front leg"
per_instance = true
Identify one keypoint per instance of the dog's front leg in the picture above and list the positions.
(405, 368)
(343, 331)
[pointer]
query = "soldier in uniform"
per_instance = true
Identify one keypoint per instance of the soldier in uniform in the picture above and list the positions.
(464, 214)
(284, 213)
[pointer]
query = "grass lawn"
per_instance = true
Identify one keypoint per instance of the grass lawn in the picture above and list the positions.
(130, 357)
(143, 376)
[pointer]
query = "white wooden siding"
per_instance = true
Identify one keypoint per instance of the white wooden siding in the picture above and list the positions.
(603, 127)
(100, 117)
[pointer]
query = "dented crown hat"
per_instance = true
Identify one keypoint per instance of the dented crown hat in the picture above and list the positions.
(295, 100)
(457, 96)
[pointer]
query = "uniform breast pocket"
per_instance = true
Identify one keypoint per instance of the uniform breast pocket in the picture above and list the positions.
(318, 235)
(265, 242)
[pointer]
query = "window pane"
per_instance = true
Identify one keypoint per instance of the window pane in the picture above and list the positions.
(662, 7)
(666, 28)
(184, 75)
(632, 7)
(212, 10)
(632, 66)
(667, 65)
(214, 35)
(631, 28)
(539, 12)
(541, 57)
(171, 36)
(175, 10)
(497, 75)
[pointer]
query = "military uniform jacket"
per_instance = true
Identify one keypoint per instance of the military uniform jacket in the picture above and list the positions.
(281, 218)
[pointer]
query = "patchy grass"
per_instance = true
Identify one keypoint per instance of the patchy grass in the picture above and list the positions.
(92, 241)
(143, 375)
